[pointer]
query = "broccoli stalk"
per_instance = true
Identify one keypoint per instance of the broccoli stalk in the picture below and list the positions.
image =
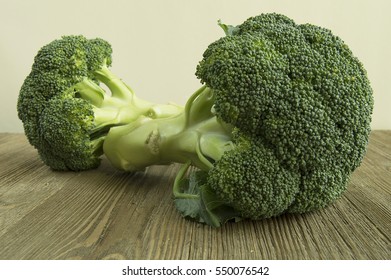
(195, 135)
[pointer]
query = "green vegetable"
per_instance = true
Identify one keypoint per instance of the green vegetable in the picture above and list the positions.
(280, 124)
(66, 114)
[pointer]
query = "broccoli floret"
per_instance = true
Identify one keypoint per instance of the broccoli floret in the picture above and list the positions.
(66, 114)
(252, 180)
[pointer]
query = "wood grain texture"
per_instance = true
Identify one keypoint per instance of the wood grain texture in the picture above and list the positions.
(107, 214)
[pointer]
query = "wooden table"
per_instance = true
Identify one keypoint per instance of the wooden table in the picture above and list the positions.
(107, 214)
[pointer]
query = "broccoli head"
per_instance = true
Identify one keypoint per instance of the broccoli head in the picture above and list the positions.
(281, 123)
(65, 112)
(305, 97)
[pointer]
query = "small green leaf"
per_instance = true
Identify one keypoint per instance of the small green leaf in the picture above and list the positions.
(228, 29)
(199, 202)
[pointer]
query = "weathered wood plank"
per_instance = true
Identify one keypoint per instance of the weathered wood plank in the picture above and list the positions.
(107, 214)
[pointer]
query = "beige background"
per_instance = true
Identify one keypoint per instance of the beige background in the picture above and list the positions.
(157, 44)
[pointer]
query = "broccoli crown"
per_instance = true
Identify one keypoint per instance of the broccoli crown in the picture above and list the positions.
(299, 91)
(47, 106)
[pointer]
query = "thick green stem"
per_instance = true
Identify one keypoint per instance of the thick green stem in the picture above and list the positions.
(193, 135)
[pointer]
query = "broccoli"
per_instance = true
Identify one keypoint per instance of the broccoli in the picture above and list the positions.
(281, 123)
(66, 113)
(278, 126)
